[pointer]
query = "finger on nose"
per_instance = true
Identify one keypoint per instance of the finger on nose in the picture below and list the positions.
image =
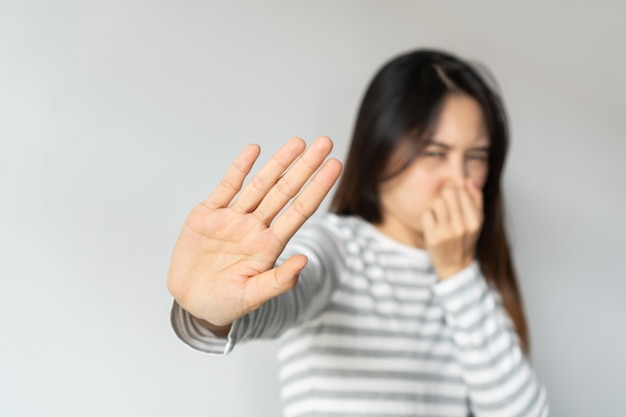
(448, 189)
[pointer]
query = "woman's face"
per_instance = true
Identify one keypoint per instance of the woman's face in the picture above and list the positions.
(459, 150)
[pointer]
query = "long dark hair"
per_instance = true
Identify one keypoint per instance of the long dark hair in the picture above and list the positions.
(403, 101)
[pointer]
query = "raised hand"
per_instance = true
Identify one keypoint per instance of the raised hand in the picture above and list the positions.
(451, 228)
(223, 262)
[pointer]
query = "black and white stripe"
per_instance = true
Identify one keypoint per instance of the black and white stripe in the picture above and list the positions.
(370, 331)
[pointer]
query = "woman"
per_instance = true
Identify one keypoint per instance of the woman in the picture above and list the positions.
(403, 301)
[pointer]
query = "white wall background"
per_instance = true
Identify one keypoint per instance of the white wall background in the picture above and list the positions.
(116, 117)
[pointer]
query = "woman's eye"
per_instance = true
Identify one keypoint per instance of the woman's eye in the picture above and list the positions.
(434, 154)
(481, 158)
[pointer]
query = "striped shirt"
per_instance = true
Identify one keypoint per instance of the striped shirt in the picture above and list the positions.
(370, 331)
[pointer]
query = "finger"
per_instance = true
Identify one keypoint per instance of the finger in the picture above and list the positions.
(264, 180)
(232, 181)
(263, 287)
(289, 185)
(476, 194)
(450, 196)
(307, 202)
(472, 216)
(428, 225)
(440, 213)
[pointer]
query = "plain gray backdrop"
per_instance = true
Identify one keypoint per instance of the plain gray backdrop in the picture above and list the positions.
(117, 117)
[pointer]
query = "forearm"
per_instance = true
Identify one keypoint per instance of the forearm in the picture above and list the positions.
(269, 321)
(499, 378)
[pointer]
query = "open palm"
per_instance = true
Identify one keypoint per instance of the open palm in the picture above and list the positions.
(223, 262)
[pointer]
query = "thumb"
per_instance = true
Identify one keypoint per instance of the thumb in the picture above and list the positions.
(272, 283)
(286, 275)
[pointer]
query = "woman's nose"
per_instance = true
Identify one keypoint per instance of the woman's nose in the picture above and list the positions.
(457, 173)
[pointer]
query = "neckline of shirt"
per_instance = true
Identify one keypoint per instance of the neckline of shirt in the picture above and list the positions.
(420, 256)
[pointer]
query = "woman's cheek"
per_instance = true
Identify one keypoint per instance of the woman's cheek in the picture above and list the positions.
(432, 184)
(428, 191)
(478, 174)
(480, 180)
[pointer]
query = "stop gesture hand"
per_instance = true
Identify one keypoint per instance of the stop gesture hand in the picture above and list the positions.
(223, 262)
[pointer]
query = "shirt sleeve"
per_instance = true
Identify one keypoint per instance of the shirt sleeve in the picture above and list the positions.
(311, 294)
(499, 378)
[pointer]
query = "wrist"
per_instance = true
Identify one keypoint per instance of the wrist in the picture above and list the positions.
(221, 331)
(450, 270)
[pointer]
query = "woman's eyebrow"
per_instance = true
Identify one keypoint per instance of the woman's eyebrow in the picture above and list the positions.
(484, 148)
(435, 143)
